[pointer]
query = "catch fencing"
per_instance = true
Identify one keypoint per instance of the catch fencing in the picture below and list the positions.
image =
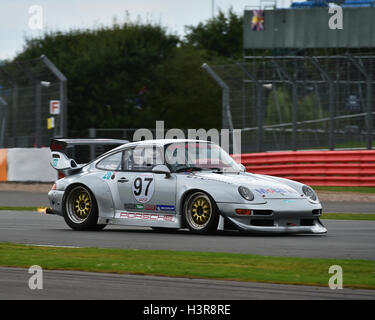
(27, 89)
(299, 102)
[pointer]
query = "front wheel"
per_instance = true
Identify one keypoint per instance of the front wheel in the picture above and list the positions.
(200, 213)
(80, 209)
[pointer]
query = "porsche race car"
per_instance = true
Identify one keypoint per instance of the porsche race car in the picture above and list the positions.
(178, 183)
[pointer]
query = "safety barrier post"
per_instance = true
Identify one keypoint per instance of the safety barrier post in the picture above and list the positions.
(260, 107)
(369, 117)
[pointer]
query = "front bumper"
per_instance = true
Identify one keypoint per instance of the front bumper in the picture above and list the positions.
(276, 216)
(55, 198)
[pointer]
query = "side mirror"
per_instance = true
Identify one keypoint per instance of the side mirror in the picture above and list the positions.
(242, 167)
(161, 168)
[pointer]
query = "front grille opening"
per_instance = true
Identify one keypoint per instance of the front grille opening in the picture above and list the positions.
(262, 212)
(262, 223)
(307, 222)
(317, 212)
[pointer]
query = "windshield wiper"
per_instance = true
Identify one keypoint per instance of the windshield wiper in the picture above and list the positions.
(221, 170)
(187, 168)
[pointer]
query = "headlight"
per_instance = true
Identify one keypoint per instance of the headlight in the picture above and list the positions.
(246, 193)
(310, 193)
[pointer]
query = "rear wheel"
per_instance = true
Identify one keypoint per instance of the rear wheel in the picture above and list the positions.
(80, 209)
(200, 213)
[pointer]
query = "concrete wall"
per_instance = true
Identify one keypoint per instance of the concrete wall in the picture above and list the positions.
(27, 164)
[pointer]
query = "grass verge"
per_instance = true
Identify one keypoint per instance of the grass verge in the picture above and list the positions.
(226, 266)
(348, 216)
(345, 189)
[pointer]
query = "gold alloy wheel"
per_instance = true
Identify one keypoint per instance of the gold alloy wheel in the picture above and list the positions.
(82, 205)
(198, 211)
(79, 204)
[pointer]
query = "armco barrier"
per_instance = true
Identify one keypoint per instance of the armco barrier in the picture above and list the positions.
(26, 165)
(323, 168)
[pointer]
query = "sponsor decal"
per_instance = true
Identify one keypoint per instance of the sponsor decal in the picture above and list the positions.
(139, 206)
(150, 207)
(147, 216)
(288, 201)
(143, 187)
(129, 206)
(108, 175)
(161, 207)
(54, 162)
(271, 190)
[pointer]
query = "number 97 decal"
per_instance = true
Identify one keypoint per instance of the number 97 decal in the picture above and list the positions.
(143, 188)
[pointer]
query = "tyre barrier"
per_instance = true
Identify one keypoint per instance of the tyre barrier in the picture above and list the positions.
(354, 168)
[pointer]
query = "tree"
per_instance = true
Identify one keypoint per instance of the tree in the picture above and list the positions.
(279, 106)
(106, 69)
(185, 96)
(220, 36)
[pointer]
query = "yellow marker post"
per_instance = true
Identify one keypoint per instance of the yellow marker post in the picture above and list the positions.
(50, 123)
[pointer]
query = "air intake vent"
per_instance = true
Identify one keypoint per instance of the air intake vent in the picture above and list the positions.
(307, 222)
(262, 212)
(317, 212)
(262, 223)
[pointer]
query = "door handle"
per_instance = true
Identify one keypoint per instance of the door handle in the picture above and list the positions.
(123, 179)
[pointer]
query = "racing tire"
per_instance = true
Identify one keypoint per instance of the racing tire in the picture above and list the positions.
(80, 210)
(200, 213)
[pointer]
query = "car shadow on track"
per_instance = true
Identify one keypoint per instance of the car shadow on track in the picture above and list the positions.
(177, 232)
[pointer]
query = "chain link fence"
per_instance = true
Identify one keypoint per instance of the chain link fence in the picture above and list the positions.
(27, 88)
(299, 102)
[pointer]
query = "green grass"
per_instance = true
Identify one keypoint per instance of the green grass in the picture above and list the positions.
(349, 216)
(228, 266)
(345, 189)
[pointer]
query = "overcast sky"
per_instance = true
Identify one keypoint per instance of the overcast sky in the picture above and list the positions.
(16, 16)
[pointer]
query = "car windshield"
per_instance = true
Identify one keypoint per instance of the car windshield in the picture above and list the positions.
(198, 156)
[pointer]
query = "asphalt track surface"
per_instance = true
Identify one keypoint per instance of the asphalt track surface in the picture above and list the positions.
(345, 239)
(59, 284)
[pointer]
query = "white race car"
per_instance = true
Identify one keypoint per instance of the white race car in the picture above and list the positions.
(176, 184)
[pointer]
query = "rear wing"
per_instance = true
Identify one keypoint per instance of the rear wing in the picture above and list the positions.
(65, 151)
(61, 144)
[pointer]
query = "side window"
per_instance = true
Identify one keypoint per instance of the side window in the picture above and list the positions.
(142, 158)
(127, 160)
(112, 162)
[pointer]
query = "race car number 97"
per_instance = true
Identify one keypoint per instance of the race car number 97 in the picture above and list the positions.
(143, 188)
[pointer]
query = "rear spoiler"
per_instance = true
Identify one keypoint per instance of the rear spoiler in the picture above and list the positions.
(66, 166)
(61, 144)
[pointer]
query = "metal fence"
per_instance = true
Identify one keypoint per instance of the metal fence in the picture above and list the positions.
(299, 102)
(26, 91)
